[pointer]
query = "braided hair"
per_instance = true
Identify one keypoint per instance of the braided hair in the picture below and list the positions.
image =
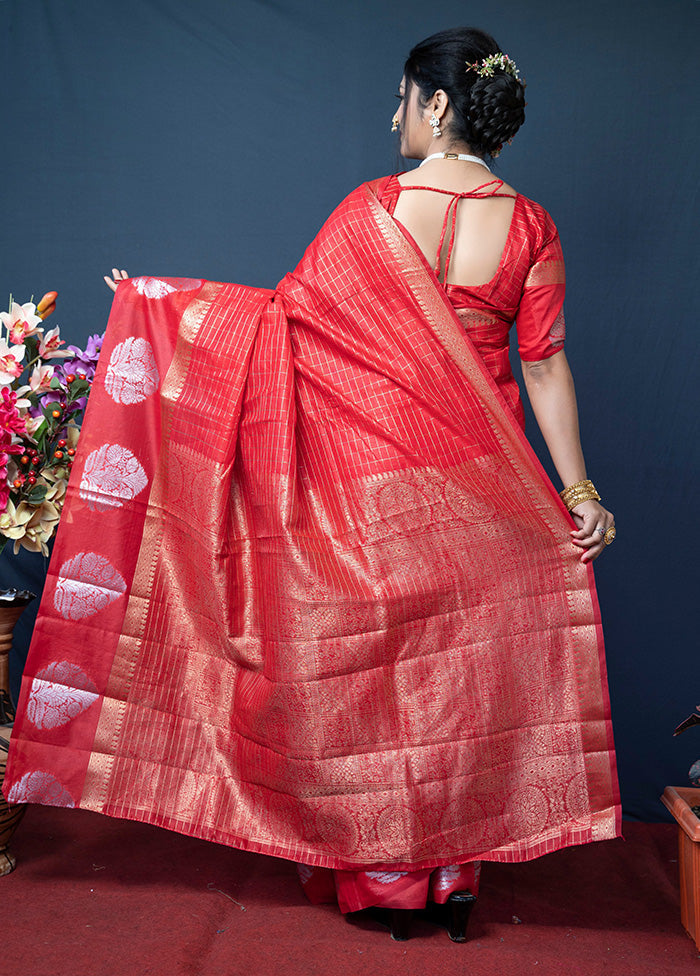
(486, 111)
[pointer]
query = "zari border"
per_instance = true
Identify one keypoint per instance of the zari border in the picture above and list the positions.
(98, 778)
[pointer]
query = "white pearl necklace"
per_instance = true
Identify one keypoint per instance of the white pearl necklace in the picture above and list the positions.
(448, 155)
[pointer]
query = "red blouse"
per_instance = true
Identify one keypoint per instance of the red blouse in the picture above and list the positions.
(528, 285)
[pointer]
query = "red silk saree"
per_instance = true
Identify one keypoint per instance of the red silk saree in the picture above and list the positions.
(313, 595)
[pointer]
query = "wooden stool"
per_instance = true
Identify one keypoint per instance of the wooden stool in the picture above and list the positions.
(679, 800)
(10, 813)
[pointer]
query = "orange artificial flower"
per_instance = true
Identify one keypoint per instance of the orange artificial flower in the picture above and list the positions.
(47, 305)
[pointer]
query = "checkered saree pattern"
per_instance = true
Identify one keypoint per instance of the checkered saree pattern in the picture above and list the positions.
(312, 593)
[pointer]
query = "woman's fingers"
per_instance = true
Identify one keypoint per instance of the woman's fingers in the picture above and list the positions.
(594, 539)
(593, 521)
(592, 544)
(590, 554)
(595, 550)
(589, 535)
(584, 534)
(117, 277)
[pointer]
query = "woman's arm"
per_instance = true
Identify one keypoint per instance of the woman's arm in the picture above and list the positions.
(550, 388)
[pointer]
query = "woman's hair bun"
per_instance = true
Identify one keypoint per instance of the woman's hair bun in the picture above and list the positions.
(496, 109)
(487, 108)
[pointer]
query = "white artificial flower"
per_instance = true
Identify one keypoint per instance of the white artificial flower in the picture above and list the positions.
(49, 343)
(21, 321)
(10, 359)
(40, 379)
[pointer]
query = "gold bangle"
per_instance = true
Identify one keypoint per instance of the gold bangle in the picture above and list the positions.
(580, 491)
(571, 501)
(586, 483)
(578, 486)
(583, 498)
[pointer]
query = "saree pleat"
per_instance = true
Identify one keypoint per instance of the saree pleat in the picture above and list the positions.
(313, 595)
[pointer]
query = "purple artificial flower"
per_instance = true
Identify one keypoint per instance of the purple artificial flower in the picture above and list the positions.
(78, 366)
(42, 402)
(83, 362)
(78, 405)
(93, 348)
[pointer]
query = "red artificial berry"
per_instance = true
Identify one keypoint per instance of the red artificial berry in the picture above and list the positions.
(56, 413)
(31, 479)
(25, 459)
(36, 460)
(58, 454)
(70, 378)
(17, 483)
(71, 451)
(62, 442)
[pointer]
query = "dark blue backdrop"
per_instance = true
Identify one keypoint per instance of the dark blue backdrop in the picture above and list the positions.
(212, 139)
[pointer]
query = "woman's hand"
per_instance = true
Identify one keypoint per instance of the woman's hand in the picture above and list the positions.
(593, 522)
(118, 276)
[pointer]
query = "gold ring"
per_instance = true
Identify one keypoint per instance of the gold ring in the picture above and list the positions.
(609, 535)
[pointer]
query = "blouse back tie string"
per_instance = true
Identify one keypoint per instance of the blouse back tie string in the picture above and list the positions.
(452, 212)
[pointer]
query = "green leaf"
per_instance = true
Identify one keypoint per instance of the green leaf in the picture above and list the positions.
(36, 494)
(56, 383)
(40, 435)
(48, 410)
(78, 388)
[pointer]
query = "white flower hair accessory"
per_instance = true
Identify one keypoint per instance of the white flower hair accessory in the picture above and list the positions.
(487, 68)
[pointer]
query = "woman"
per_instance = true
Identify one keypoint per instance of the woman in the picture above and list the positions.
(440, 101)
(319, 599)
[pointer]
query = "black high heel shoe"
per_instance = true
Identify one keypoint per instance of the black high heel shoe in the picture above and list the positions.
(397, 920)
(459, 908)
(453, 915)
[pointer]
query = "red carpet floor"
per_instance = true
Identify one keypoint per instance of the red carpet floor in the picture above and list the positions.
(93, 896)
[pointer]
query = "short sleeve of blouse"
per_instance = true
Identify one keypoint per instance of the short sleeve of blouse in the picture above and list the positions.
(540, 316)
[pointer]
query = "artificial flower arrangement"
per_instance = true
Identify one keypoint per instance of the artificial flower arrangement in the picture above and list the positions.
(42, 403)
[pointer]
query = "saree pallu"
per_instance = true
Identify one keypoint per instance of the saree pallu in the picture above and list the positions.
(313, 595)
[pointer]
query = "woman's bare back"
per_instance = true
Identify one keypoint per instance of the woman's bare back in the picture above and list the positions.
(481, 228)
